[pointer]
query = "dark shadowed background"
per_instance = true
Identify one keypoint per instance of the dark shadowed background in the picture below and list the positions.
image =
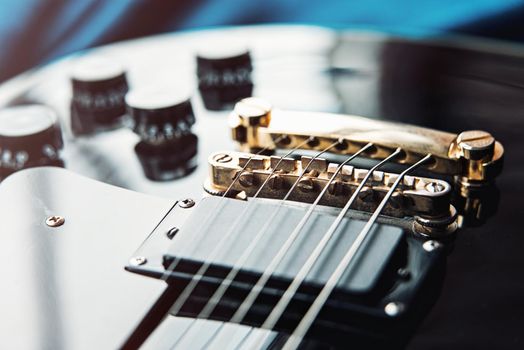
(36, 31)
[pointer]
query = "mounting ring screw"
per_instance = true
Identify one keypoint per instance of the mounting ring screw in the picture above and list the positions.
(172, 232)
(55, 221)
(223, 158)
(394, 309)
(137, 260)
(186, 203)
(431, 245)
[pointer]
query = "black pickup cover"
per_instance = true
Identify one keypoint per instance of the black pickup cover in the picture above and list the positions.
(242, 221)
(365, 280)
(357, 304)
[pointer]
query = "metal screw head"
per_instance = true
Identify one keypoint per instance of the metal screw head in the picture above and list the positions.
(172, 232)
(223, 158)
(431, 245)
(275, 182)
(306, 185)
(396, 200)
(366, 194)
(476, 144)
(434, 187)
(253, 107)
(186, 203)
(394, 308)
(55, 221)
(137, 260)
(246, 179)
(336, 188)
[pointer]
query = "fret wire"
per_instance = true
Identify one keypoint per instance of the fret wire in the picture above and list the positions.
(226, 282)
(298, 334)
(185, 294)
(286, 298)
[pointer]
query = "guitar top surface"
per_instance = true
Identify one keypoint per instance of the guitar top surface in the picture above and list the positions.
(66, 287)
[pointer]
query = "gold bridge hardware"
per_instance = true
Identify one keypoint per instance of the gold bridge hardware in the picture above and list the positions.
(474, 158)
(416, 197)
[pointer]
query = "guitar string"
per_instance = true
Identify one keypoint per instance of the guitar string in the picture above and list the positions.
(254, 292)
(304, 325)
(136, 335)
(198, 276)
(288, 295)
(220, 204)
(219, 293)
(274, 213)
(217, 249)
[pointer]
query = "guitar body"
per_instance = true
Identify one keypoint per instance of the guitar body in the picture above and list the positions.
(68, 287)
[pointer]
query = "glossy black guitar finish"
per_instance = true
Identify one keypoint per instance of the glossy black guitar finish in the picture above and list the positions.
(66, 287)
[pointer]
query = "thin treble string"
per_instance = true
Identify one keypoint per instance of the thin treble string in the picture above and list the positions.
(288, 295)
(219, 293)
(220, 204)
(275, 212)
(139, 334)
(182, 298)
(255, 291)
(296, 338)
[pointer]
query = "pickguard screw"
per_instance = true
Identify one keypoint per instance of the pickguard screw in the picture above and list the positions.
(246, 179)
(431, 245)
(394, 309)
(434, 187)
(186, 203)
(223, 158)
(172, 232)
(55, 221)
(137, 260)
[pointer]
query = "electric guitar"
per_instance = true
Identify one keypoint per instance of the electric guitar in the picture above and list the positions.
(148, 200)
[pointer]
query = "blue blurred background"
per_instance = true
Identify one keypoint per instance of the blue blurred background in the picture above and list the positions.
(36, 31)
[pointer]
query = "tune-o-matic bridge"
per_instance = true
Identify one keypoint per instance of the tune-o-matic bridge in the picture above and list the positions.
(426, 199)
(473, 157)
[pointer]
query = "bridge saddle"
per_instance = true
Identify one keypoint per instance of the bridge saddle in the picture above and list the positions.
(426, 200)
